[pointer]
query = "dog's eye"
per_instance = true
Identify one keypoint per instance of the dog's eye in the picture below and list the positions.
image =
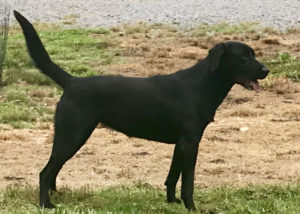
(245, 60)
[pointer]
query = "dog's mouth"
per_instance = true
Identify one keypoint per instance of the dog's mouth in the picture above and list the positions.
(253, 85)
(250, 85)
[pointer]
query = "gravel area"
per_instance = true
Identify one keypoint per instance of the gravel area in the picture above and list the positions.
(280, 14)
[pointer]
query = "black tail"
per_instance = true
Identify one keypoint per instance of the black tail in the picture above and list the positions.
(39, 54)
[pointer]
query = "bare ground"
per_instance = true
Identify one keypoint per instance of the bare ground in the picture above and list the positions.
(255, 138)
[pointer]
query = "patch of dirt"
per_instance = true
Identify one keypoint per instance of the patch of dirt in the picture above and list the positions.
(255, 138)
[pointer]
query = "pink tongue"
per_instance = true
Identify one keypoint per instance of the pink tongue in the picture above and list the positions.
(255, 86)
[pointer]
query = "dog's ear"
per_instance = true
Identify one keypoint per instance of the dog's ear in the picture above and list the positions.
(214, 56)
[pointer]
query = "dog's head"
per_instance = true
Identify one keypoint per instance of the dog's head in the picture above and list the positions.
(238, 61)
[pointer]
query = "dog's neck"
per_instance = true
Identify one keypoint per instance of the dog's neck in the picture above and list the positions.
(206, 82)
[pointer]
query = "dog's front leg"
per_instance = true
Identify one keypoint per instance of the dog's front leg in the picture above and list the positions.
(173, 177)
(184, 161)
(189, 152)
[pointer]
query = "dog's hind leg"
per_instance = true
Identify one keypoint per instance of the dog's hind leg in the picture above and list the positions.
(173, 177)
(53, 185)
(72, 128)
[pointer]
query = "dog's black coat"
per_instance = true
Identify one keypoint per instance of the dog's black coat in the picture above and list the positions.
(173, 108)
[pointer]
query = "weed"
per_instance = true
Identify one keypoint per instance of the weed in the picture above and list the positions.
(284, 65)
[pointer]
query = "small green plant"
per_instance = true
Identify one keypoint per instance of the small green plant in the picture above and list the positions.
(284, 65)
(285, 58)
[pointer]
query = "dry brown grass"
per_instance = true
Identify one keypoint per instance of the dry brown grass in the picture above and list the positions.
(281, 85)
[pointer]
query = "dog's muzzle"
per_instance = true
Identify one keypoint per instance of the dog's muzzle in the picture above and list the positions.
(265, 71)
(253, 84)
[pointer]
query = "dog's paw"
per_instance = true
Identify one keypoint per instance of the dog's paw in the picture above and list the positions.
(174, 200)
(48, 205)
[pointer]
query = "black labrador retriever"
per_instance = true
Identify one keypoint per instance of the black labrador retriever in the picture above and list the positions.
(173, 109)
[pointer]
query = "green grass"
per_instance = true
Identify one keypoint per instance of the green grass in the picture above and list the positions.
(74, 50)
(23, 105)
(225, 28)
(143, 198)
(284, 65)
(144, 28)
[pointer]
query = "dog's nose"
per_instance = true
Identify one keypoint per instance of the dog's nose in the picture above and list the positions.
(265, 70)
